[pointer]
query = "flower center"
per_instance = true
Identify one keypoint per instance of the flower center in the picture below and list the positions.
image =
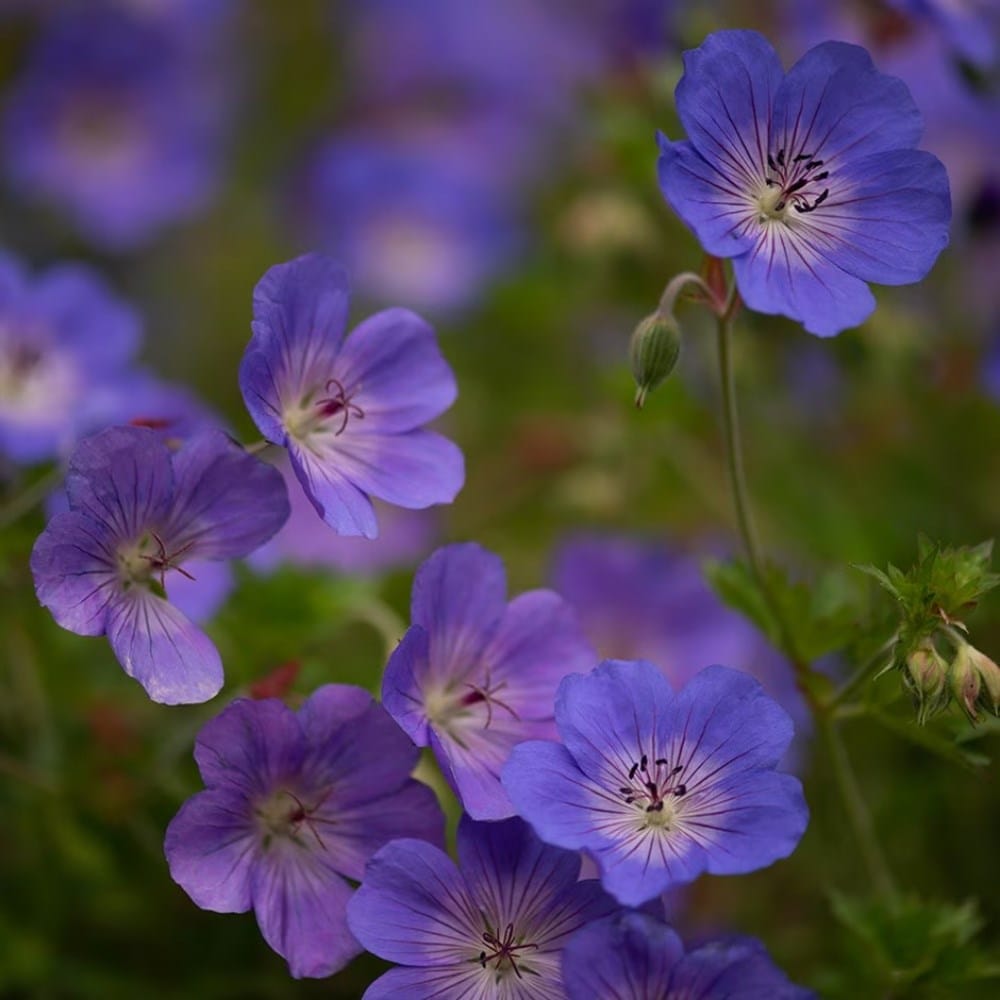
(140, 562)
(792, 181)
(654, 791)
(455, 702)
(331, 411)
(503, 951)
(286, 815)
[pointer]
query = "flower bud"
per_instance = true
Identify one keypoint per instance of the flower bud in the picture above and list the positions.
(966, 682)
(927, 677)
(655, 347)
(989, 674)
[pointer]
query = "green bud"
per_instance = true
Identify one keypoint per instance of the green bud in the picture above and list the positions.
(655, 347)
(927, 678)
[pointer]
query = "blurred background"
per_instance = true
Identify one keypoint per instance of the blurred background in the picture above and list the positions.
(490, 164)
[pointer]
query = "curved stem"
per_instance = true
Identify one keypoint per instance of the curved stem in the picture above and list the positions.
(737, 479)
(862, 673)
(856, 811)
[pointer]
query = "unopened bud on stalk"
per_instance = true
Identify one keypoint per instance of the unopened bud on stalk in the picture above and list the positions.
(927, 677)
(655, 347)
(975, 680)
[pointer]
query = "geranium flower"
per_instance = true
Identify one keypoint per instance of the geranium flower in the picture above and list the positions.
(632, 956)
(492, 927)
(659, 787)
(137, 514)
(295, 804)
(350, 413)
(810, 181)
(475, 675)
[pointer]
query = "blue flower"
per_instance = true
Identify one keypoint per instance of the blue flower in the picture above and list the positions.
(631, 956)
(810, 181)
(659, 787)
(112, 124)
(492, 927)
(969, 26)
(295, 804)
(66, 345)
(476, 674)
(350, 413)
(412, 223)
(137, 514)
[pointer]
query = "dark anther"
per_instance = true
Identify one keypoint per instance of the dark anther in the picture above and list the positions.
(677, 769)
(813, 164)
(771, 163)
(781, 157)
(651, 785)
(655, 807)
(482, 959)
(632, 770)
(803, 156)
(780, 206)
(643, 763)
(797, 186)
(625, 791)
(661, 760)
(681, 790)
(822, 177)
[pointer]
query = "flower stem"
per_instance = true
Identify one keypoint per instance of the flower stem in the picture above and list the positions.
(737, 480)
(856, 811)
(257, 447)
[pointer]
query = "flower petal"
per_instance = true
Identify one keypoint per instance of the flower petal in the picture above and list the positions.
(170, 657)
(413, 907)
(392, 368)
(211, 847)
(337, 500)
(76, 575)
(402, 684)
(226, 502)
(301, 907)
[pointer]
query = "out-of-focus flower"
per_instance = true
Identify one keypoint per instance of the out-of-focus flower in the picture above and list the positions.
(65, 341)
(810, 181)
(412, 225)
(404, 537)
(111, 124)
(659, 787)
(295, 804)
(350, 412)
(139, 512)
(637, 599)
(492, 927)
(632, 956)
(475, 675)
(970, 26)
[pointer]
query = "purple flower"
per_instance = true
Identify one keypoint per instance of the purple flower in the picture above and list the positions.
(631, 956)
(659, 787)
(404, 537)
(969, 26)
(137, 514)
(296, 803)
(475, 675)
(65, 340)
(810, 181)
(412, 223)
(350, 412)
(492, 927)
(113, 125)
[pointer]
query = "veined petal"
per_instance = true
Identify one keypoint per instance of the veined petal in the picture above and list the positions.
(392, 368)
(402, 684)
(211, 847)
(837, 106)
(226, 502)
(170, 657)
(76, 576)
(459, 596)
(414, 469)
(122, 478)
(413, 907)
(252, 745)
(715, 204)
(785, 275)
(887, 219)
(725, 98)
(301, 906)
(340, 503)
(468, 981)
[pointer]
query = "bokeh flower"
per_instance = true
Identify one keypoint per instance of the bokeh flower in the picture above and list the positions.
(295, 804)
(632, 956)
(66, 342)
(350, 412)
(138, 513)
(810, 181)
(493, 926)
(659, 787)
(475, 674)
